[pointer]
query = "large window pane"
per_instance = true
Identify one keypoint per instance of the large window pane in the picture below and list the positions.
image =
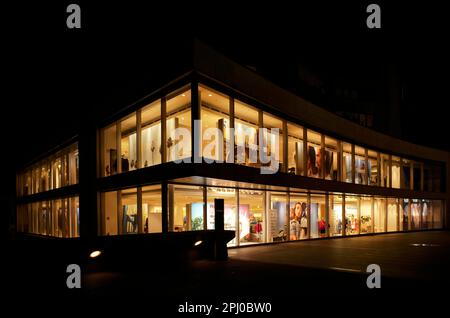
(406, 173)
(417, 176)
(360, 166)
(318, 216)
(347, 168)
(271, 141)
(246, 134)
(57, 218)
(392, 214)
(330, 159)
(416, 212)
(437, 175)
(128, 145)
(335, 216)
(110, 216)
(404, 214)
(379, 214)
(215, 114)
(56, 173)
(298, 216)
(427, 214)
(295, 149)
(278, 217)
(74, 165)
(351, 215)
(385, 167)
(74, 217)
(152, 209)
(395, 172)
(373, 168)
(437, 214)
(178, 126)
(366, 205)
(151, 134)
(128, 212)
(251, 217)
(109, 137)
(187, 211)
(230, 204)
(314, 162)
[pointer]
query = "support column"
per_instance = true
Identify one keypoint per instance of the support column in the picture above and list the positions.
(205, 208)
(163, 130)
(231, 135)
(196, 146)
(386, 209)
(237, 218)
(138, 163)
(322, 157)
(340, 161)
(390, 171)
(119, 146)
(327, 214)
(139, 210)
(379, 164)
(372, 214)
(88, 200)
(308, 216)
(409, 214)
(164, 207)
(288, 216)
(411, 175)
(353, 163)
(285, 148)
(305, 152)
(171, 202)
(120, 229)
(344, 221)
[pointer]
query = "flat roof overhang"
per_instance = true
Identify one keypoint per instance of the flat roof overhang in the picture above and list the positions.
(234, 175)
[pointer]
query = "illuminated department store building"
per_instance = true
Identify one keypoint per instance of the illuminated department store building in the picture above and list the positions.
(335, 178)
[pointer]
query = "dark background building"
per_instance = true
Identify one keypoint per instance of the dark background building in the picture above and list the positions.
(57, 79)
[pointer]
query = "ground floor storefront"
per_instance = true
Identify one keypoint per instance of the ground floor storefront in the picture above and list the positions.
(260, 213)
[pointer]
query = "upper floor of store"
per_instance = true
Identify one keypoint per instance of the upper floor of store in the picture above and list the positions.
(312, 142)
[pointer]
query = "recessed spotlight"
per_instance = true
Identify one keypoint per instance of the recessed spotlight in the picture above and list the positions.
(95, 254)
(198, 243)
(184, 95)
(209, 95)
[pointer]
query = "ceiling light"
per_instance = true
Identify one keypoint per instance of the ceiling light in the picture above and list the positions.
(95, 254)
(198, 243)
(210, 95)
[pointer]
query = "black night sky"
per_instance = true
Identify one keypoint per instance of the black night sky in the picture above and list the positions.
(56, 77)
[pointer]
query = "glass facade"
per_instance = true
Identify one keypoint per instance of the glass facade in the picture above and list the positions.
(160, 132)
(295, 149)
(352, 211)
(306, 152)
(246, 126)
(215, 110)
(315, 155)
(347, 163)
(335, 216)
(366, 214)
(187, 211)
(131, 211)
(54, 172)
(58, 217)
(252, 217)
(319, 226)
(150, 135)
(178, 126)
(298, 216)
